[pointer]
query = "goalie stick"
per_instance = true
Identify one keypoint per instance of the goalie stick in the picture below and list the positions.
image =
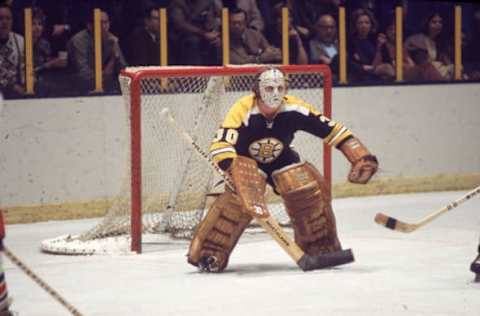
(405, 227)
(271, 226)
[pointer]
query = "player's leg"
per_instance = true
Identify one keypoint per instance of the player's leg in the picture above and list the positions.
(218, 233)
(4, 298)
(308, 204)
(475, 266)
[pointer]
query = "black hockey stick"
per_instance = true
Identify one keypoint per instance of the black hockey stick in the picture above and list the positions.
(271, 226)
(405, 227)
(72, 309)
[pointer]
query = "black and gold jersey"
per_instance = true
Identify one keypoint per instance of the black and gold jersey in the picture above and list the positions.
(245, 131)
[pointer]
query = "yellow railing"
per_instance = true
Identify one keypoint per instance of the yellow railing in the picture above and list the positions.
(163, 44)
(399, 43)
(458, 42)
(29, 73)
(342, 46)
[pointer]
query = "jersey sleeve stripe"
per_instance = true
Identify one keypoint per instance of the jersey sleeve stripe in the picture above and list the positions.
(337, 134)
(341, 137)
(332, 134)
(220, 151)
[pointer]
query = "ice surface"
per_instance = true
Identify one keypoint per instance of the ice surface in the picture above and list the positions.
(422, 273)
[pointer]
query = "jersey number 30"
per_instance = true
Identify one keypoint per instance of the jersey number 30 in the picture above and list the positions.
(228, 135)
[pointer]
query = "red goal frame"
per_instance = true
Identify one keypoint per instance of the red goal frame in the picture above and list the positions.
(137, 75)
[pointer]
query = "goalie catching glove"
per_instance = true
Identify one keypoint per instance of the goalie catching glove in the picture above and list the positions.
(364, 164)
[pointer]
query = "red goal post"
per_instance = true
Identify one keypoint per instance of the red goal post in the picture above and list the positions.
(165, 73)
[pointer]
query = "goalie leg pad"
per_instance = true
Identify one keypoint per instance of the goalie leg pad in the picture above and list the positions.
(308, 204)
(218, 233)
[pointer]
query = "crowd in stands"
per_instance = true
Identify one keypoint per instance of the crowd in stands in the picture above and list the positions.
(63, 41)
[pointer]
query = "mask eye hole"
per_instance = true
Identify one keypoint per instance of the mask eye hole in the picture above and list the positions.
(269, 89)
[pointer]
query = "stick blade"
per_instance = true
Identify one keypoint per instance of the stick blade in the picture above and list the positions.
(327, 260)
(393, 224)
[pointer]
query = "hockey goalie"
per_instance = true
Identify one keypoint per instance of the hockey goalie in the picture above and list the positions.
(257, 133)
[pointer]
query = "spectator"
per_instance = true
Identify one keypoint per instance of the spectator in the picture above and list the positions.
(363, 46)
(324, 43)
(297, 51)
(43, 60)
(65, 18)
(422, 70)
(12, 63)
(144, 43)
(432, 38)
(472, 50)
(255, 19)
(248, 45)
(194, 31)
(306, 13)
(385, 57)
(266, 8)
(81, 55)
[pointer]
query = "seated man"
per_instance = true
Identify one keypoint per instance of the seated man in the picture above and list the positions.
(194, 32)
(297, 47)
(248, 46)
(261, 127)
(324, 44)
(82, 56)
(144, 41)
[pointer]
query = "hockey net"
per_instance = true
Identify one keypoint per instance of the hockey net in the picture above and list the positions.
(167, 186)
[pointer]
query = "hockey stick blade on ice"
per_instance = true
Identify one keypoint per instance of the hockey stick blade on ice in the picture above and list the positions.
(271, 226)
(405, 227)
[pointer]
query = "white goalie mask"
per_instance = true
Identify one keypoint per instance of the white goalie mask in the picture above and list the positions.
(272, 87)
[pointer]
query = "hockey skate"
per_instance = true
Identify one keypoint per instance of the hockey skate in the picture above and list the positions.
(475, 267)
(208, 264)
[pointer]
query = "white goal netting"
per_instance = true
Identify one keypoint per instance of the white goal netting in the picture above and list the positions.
(173, 183)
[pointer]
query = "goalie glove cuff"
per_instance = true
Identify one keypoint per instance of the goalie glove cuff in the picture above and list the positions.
(354, 150)
(364, 164)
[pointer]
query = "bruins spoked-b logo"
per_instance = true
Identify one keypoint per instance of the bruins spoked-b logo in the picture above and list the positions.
(265, 150)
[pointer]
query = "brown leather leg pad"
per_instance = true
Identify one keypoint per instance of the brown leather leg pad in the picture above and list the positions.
(219, 231)
(309, 208)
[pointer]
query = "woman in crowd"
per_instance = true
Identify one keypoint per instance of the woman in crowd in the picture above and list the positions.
(365, 48)
(432, 38)
(43, 60)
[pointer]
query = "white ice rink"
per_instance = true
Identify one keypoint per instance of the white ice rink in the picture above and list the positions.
(422, 273)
